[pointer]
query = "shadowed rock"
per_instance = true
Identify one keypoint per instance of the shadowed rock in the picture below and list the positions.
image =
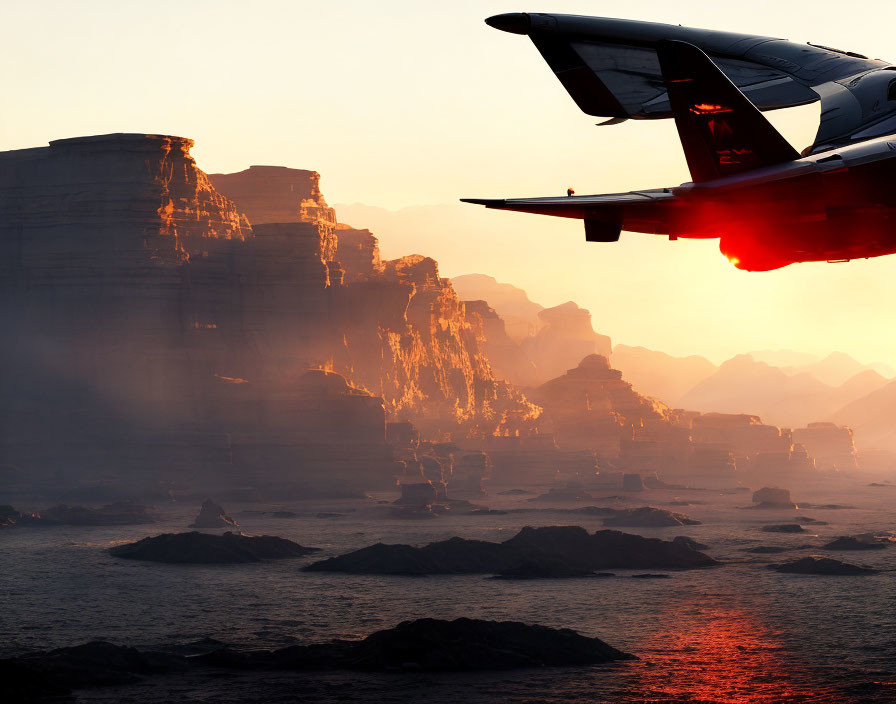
(429, 645)
(35, 676)
(845, 542)
(784, 528)
(434, 645)
(211, 515)
(772, 497)
(821, 565)
(120, 513)
(572, 545)
(9, 517)
(773, 549)
(648, 516)
(204, 548)
(565, 493)
(471, 644)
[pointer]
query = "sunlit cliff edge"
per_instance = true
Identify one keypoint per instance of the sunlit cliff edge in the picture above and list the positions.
(172, 326)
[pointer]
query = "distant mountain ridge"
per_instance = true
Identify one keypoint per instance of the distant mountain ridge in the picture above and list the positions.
(783, 387)
(660, 375)
(872, 417)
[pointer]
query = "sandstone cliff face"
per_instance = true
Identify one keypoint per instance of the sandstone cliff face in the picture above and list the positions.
(275, 194)
(156, 328)
(397, 328)
(565, 337)
(507, 358)
(520, 315)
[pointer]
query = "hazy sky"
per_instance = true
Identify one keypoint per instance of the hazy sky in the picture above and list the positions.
(414, 103)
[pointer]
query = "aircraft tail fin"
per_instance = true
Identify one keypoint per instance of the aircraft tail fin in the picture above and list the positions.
(722, 132)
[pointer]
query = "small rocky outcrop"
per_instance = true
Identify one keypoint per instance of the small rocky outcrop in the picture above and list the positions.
(211, 515)
(205, 548)
(774, 549)
(648, 516)
(632, 482)
(784, 528)
(417, 494)
(571, 545)
(772, 497)
(428, 645)
(860, 542)
(822, 566)
(120, 513)
(564, 493)
(9, 517)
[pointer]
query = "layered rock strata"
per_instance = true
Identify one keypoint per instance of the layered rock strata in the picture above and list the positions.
(158, 331)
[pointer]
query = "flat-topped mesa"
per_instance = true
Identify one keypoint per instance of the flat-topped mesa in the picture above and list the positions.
(358, 253)
(830, 444)
(128, 196)
(276, 194)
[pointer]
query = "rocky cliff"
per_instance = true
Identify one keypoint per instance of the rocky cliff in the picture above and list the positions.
(592, 407)
(157, 330)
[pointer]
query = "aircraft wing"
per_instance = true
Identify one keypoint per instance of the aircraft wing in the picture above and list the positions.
(610, 67)
(604, 215)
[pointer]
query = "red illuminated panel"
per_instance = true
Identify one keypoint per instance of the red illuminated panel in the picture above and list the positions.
(734, 156)
(709, 109)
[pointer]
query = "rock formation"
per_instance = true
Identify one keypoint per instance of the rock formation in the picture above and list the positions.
(120, 513)
(204, 549)
(772, 497)
(211, 515)
(564, 338)
(9, 517)
(860, 542)
(650, 517)
(784, 528)
(429, 645)
(829, 444)
(508, 359)
(821, 565)
(571, 545)
(158, 330)
(511, 303)
(591, 407)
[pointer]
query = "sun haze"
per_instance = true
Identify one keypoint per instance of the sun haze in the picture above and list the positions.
(408, 106)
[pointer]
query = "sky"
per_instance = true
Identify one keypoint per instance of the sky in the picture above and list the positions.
(404, 106)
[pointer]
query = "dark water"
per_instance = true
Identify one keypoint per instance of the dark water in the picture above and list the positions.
(738, 633)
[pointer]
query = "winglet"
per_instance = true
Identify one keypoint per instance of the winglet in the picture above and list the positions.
(722, 132)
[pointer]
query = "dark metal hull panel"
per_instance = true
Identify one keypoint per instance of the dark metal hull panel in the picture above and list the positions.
(610, 69)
